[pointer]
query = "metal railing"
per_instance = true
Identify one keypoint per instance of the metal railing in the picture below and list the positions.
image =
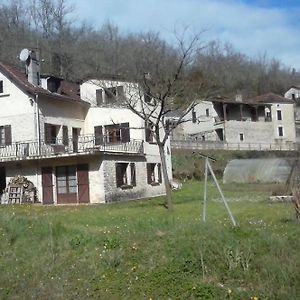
(82, 145)
(219, 145)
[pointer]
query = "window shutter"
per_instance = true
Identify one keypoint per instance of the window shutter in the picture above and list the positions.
(159, 173)
(8, 139)
(65, 135)
(98, 135)
(120, 92)
(133, 176)
(125, 133)
(99, 97)
(47, 133)
(119, 178)
(149, 172)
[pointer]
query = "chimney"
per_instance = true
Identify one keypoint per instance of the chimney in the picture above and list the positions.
(238, 98)
(33, 68)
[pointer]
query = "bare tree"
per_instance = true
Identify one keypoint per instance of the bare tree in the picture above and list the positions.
(169, 88)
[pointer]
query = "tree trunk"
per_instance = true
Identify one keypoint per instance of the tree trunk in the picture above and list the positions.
(168, 200)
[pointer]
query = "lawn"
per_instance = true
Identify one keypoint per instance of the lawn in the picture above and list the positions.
(138, 250)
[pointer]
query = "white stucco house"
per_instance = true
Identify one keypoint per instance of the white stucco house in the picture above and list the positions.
(293, 93)
(75, 142)
(262, 122)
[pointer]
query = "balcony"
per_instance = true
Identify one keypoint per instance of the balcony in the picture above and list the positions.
(83, 145)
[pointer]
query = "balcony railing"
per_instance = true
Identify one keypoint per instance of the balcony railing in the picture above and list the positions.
(86, 144)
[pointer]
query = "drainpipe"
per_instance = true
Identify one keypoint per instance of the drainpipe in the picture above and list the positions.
(37, 121)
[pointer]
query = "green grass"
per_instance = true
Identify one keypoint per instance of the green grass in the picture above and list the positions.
(138, 250)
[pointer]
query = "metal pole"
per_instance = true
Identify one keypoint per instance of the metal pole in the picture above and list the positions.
(205, 191)
(220, 191)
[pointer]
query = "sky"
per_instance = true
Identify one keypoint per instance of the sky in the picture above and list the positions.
(253, 27)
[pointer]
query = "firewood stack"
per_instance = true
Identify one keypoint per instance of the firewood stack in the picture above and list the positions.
(19, 190)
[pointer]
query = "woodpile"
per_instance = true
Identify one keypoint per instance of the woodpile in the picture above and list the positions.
(19, 190)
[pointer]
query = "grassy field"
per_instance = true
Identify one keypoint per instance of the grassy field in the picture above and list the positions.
(138, 250)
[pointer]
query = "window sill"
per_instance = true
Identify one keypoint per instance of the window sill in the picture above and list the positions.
(4, 95)
(126, 186)
(155, 183)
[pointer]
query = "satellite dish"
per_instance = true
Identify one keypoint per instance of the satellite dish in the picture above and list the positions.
(24, 54)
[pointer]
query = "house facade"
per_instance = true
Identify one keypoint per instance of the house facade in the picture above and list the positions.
(74, 142)
(264, 122)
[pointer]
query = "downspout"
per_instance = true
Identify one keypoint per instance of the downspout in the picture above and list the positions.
(38, 137)
(37, 121)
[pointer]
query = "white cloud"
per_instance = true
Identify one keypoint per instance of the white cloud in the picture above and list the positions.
(251, 29)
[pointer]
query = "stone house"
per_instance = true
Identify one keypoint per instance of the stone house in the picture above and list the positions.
(259, 122)
(75, 142)
(293, 93)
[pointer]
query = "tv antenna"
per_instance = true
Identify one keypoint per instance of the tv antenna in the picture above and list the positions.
(208, 168)
(24, 54)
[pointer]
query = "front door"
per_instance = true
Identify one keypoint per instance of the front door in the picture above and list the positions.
(2, 180)
(83, 183)
(66, 182)
(47, 184)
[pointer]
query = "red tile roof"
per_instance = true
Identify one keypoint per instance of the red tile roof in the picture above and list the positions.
(69, 90)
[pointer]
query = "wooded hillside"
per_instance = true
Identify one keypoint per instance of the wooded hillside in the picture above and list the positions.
(74, 50)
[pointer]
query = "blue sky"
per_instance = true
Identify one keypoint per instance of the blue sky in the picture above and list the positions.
(254, 27)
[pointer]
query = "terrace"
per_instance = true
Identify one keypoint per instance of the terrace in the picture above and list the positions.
(83, 145)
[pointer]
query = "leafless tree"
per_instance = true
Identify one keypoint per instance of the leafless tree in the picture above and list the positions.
(169, 88)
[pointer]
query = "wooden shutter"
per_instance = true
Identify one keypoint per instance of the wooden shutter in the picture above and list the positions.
(83, 183)
(149, 173)
(98, 135)
(159, 173)
(47, 185)
(119, 175)
(99, 97)
(7, 130)
(65, 135)
(125, 133)
(47, 133)
(120, 92)
(133, 175)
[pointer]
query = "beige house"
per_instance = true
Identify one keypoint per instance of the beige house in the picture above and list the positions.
(263, 122)
(75, 142)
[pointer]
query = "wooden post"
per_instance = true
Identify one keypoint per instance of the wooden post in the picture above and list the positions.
(220, 191)
(205, 191)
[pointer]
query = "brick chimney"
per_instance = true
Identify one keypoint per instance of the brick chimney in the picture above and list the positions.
(33, 68)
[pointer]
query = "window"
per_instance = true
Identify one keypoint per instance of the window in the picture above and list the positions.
(51, 132)
(194, 116)
(147, 98)
(207, 112)
(117, 133)
(279, 115)
(5, 135)
(1, 86)
(203, 138)
(66, 180)
(154, 174)
(149, 127)
(293, 96)
(280, 131)
(113, 94)
(125, 175)
(241, 137)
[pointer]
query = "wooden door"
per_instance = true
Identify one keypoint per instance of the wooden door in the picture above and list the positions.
(2, 179)
(83, 183)
(47, 184)
(66, 183)
(75, 135)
